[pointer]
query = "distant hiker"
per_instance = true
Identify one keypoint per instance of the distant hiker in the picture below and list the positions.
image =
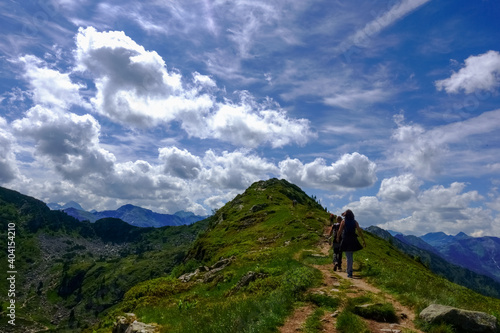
(350, 243)
(334, 232)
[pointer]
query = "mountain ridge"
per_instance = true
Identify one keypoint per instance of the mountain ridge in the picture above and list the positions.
(478, 254)
(136, 216)
(243, 269)
(70, 271)
(259, 256)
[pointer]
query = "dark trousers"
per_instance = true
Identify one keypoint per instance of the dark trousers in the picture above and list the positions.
(337, 257)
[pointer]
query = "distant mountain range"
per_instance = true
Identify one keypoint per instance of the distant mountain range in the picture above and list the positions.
(131, 214)
(479, 254)
(428, 255)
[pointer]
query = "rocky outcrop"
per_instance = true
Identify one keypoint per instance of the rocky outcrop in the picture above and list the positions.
(245, 281)
(206, 274)
(129, 324)
(463, 321)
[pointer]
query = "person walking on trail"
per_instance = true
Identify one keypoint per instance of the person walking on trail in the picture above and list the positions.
(350, 242)
(334, 231)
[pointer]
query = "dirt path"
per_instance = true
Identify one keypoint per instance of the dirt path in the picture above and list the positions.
(333, 282)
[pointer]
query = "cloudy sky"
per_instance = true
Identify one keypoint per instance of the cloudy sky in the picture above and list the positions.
(390, 108)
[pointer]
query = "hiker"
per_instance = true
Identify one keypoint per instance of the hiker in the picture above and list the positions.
(334, 231)
(350, 243)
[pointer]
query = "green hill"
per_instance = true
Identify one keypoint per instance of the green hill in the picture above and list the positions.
(244, 269)
(257, 262)
(69, 272)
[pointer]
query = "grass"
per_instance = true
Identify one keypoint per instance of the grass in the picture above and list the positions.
(413, 284)
(313, 322)
(201, 312)
(264, 233)
(348, 322)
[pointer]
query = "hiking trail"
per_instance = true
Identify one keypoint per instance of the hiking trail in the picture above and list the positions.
(357, 286)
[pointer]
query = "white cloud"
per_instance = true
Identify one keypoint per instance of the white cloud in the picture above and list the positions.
(350, 172)
(69, 141)
(235, 170)
(133, 85)
(400, 188)
(481, 72)
(250, 124)
(180, 163)
(356, 97)
(415, 150)
(8, 167)
(453, 147)
(362, 36)
(50, 87)
(135, 88)
(402, 206)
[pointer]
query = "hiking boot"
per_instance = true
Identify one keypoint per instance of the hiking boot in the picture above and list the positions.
(334, 268)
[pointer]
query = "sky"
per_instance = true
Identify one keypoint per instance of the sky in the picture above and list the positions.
(388, 108)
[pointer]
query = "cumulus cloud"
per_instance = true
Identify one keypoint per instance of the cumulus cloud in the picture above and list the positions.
(133, 85)
(235, 170)
(402, 205)
(50, 87)
(251, 124)
(481, 72)
(451, 147)
(399, 189)
(349, 172)
(415, 150)
(8, 168)
(180, 163)
(69, 141)
(135, 88)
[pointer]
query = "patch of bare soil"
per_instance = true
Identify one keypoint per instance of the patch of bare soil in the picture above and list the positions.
(295, 322)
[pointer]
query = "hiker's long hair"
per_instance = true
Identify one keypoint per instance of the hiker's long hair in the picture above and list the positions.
(349, 215)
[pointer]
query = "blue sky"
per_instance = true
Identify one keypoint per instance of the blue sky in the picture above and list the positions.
(391, 109)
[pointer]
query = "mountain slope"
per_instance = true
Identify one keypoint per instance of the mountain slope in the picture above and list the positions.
(478, 254)
(68, 271)
(439, 265)
(481, 255)
(258, 260)
(243, 271)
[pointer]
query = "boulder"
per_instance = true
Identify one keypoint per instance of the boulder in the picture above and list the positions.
(463, 321)
(129, 324)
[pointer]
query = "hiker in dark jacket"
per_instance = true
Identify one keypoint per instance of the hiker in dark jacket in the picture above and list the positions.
(350, 243)
(334, 231)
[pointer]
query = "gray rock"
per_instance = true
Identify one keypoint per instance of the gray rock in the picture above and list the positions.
(463, 321)
(129, 324)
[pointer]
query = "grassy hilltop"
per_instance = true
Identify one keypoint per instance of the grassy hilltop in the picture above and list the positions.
(244, 269)
(268, 238)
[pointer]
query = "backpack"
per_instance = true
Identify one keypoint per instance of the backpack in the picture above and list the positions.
(335, 230)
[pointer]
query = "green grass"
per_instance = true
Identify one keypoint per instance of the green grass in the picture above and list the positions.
(264, 233)
(324, 301)
(347, 322)
(413, 284)
(202, 312)
(313, 322)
